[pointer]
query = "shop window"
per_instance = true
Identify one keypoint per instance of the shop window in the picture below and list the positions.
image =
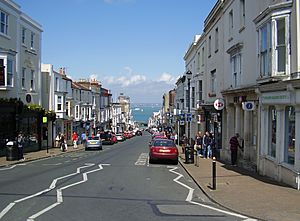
(272, 131)
(290, 126)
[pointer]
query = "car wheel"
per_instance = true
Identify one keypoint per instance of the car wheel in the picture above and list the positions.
(101, 148)
(151, 161)
(175, 162)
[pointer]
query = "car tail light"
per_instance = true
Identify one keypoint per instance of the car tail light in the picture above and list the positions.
(174, 150)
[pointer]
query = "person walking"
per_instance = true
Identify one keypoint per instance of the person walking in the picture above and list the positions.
(198, 144)
(63, 143)
(234, 145)
(206, 142)
(75, 139)
(184, 142)
(83, 138)
(210, 146)
(20, 142)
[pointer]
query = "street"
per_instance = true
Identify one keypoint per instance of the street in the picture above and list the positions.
(116, 183)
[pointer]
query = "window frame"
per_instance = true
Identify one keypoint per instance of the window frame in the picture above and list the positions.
(290, 128)
(4, 24)
(32, 80)
(8, 63)
(272, 134)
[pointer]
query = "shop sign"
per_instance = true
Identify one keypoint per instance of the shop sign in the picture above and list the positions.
(280, 97)
(45, 120)
(219, 104)
(248, 106)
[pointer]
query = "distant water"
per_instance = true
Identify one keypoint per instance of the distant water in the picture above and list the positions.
(142, 112)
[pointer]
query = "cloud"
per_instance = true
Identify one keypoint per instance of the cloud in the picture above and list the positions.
(138, 87)
(167, 78)
(127, 79)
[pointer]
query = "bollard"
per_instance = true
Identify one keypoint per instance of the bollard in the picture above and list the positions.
(298, 181)
(196, 159)
(214, 174)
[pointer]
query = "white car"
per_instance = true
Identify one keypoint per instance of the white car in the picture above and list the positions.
(120, 137)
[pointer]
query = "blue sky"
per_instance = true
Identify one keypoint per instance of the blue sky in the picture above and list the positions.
(135, 47)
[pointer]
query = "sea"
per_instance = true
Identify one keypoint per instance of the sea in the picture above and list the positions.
(141, 112)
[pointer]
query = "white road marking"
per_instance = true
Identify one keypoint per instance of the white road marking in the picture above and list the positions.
(142, 160)
(190, 196)
(13, 166)
(54, 164)
(8, 168)
(60, 195)
(52, 186)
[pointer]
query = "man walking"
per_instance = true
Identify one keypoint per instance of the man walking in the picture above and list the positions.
(234, 145)
(20, 142)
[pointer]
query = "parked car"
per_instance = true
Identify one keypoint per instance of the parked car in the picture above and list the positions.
(93, 143)
(114, 138)
(163, 149)
(107, 138)
(139, 133)
(120, 137)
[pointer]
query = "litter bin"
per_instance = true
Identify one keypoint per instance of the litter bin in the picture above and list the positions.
(12, 152)
(189, 154)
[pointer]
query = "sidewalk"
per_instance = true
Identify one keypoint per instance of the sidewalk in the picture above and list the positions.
(39, 155)
(245, 192)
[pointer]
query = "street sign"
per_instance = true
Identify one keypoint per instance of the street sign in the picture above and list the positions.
(219, 104)
(188, 117)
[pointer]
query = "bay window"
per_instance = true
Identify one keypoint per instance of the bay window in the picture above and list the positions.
(274, 58)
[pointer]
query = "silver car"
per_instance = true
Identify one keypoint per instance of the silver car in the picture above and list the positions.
(93, 143)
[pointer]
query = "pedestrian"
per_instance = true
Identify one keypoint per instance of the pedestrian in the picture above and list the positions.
(176, 138)
(234, 145)
(20, 143)
(184, 142)
(63, 143)
(198, 144)
(205, 143)
(57, 140)
(211, 145)
(75, 139)
(83, 138)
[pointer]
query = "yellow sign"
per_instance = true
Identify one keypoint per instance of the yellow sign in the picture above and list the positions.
(45, 120)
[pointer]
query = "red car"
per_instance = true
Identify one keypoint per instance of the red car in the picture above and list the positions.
(163, 149)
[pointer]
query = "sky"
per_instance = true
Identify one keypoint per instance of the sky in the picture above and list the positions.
(135, 47)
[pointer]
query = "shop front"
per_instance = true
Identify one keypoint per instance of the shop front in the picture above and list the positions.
(279, 155)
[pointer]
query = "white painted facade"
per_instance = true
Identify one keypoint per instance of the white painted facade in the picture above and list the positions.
(20, 55)
(251, 48)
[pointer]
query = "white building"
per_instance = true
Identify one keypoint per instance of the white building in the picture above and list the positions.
(20, 54)
(248, 56)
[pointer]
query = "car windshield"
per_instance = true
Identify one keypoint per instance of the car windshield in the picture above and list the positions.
(164, 143)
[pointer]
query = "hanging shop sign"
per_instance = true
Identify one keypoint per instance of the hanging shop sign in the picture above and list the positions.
(219, 104)
(248, 106)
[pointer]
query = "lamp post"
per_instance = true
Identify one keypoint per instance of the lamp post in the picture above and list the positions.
(189, 76)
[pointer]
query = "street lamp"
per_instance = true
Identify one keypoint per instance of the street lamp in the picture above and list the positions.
(189, 77)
